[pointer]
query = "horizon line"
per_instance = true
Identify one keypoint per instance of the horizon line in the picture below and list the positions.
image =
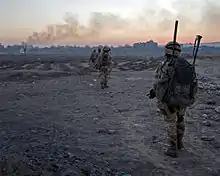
(159, 44)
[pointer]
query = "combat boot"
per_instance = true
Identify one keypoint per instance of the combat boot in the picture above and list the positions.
(106, 85)
(172, 149)
(102, 85)
(180, 145)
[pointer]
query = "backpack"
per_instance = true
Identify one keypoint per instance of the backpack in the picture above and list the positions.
(105, 59)
(93, 56)
(180, 87)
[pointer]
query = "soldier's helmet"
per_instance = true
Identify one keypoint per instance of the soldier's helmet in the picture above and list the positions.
(106, 49)
(168, 50)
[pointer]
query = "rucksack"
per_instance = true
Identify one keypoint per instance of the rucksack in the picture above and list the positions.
(105, 59)
(93, 56)
(179, 92)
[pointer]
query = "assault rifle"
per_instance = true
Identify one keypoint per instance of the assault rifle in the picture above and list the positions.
(171, 62)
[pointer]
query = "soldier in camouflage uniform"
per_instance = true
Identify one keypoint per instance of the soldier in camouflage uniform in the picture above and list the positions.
(99, 50)
(93, 57)
(105, 65)
(98, 56)
(174, 116)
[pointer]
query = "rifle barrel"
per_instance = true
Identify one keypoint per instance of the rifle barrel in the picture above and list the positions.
(175, 34)
(175, 31)
(197, 43)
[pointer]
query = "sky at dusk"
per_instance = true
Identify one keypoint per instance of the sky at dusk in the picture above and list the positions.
(107, 21)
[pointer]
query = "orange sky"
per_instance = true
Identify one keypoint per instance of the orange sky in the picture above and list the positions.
(109, 36)
(123, 23)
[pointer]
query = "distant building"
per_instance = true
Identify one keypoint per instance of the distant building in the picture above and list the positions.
(149, 45)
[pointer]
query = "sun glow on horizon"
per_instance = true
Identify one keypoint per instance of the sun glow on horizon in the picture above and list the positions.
(109, 22)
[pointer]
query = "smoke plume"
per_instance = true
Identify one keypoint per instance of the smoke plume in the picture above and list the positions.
(195, 17)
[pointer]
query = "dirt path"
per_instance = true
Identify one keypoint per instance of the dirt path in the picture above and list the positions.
(66, 126)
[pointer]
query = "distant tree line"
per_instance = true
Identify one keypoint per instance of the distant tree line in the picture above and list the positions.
(149, 48)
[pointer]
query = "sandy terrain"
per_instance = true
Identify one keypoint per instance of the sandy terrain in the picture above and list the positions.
(55, 120)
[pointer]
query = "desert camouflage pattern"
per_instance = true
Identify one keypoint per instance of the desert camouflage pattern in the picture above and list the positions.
(161, 77)
(104, 69)
(93, 58)
(170, 52)
(174, 117)
(175, 125)
(162, 74)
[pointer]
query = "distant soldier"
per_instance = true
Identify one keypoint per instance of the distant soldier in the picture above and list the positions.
(105, 66)
(99, 50)
(98, 55)
(23, 50)
(175, 88)
(93, 57)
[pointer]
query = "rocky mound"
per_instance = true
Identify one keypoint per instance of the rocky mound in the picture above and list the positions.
(38, 69)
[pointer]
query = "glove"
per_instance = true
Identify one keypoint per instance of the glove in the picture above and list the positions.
(152, 94)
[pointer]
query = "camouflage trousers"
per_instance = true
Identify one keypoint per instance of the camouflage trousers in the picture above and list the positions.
(175, 125)
(104, 75)
(92, 64)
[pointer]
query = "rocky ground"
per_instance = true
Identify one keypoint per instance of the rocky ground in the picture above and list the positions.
(55, 120)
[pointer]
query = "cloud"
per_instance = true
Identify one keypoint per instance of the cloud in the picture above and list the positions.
(194, 17)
